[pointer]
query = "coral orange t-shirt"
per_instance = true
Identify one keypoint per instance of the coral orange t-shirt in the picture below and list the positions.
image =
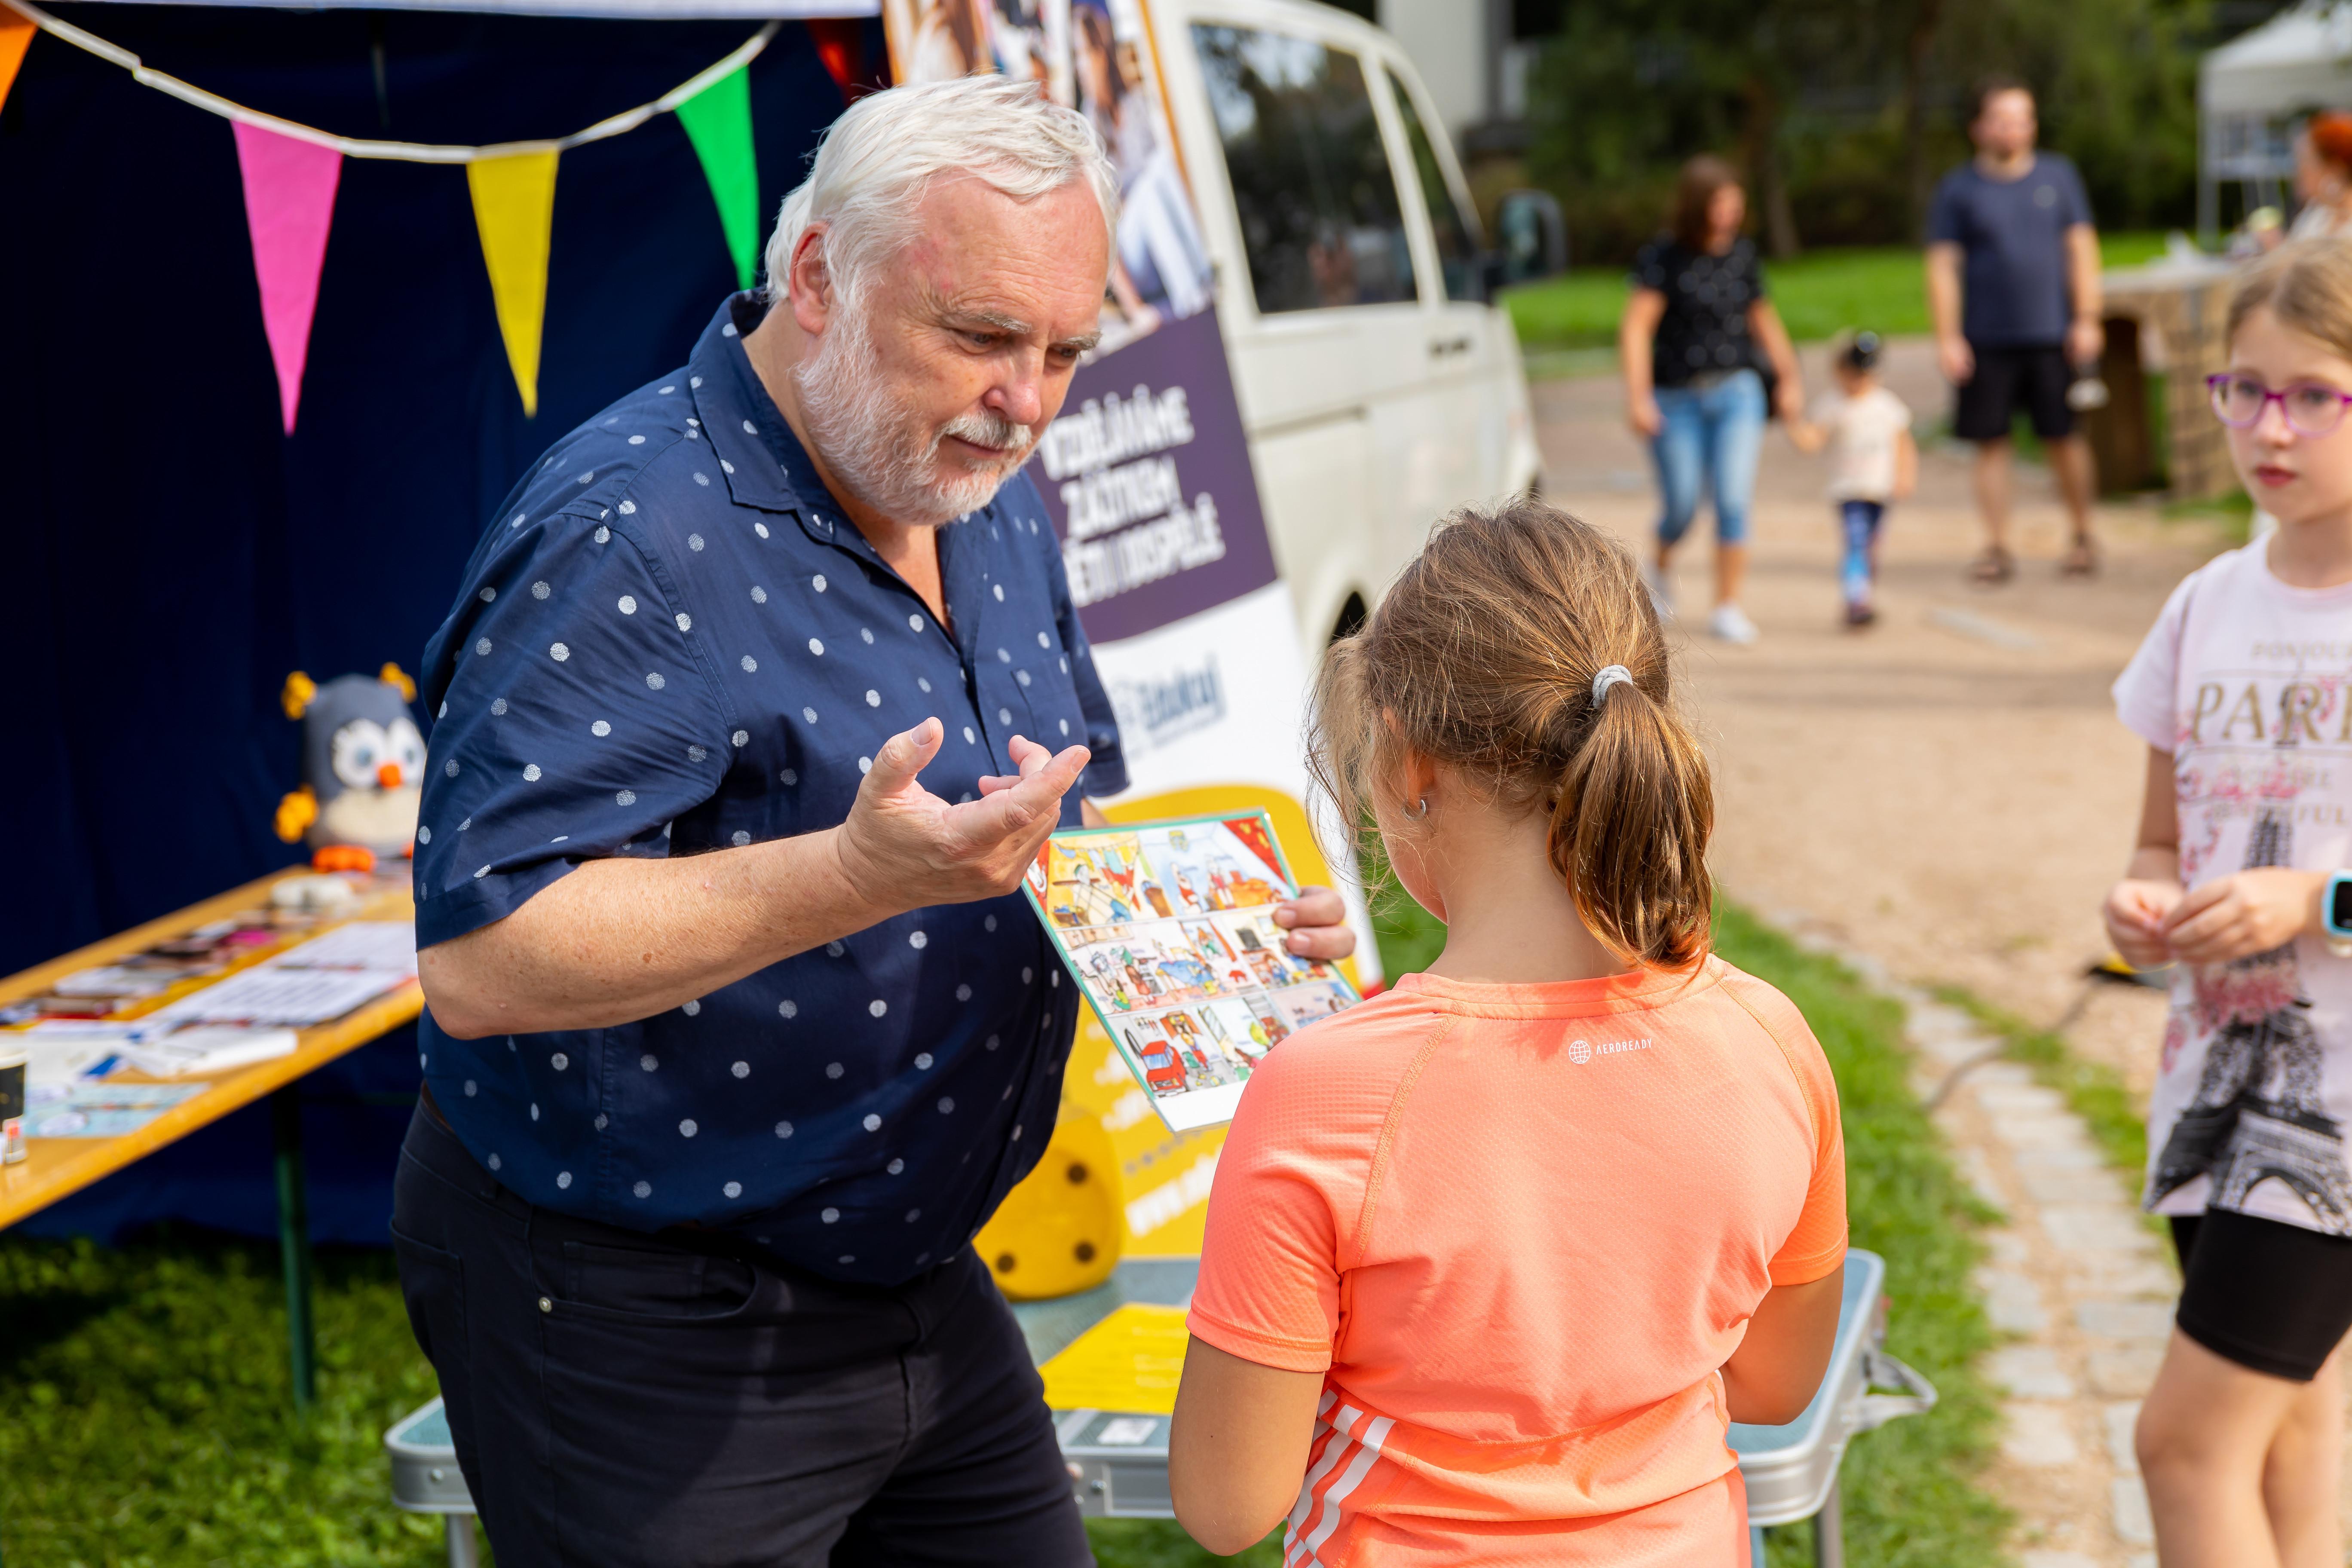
(1519, 1229)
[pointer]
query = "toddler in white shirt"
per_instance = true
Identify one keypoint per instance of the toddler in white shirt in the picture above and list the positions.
(1873, 461)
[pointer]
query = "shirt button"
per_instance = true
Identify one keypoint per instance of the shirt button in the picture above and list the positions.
(545, 1305)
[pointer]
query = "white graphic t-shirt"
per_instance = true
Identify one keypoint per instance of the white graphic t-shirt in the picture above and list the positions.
(1863, 432)
(2245, 681)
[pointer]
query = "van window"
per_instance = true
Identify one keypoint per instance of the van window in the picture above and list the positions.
(1319, 213)
(1457, 252)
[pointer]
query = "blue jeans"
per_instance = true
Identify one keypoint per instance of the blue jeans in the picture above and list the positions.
(1709, 438)
(1860, 519)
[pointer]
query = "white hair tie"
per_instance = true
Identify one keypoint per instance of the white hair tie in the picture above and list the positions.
(1608, 677)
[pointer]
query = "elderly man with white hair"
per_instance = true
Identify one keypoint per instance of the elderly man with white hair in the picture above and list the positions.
(760, 692)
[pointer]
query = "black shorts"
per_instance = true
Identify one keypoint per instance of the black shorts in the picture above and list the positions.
(679, 1401)
(2032, 376)
(2272, 1297)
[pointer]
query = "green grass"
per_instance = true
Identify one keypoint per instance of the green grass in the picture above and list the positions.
(1818, 293)
(148, 1421)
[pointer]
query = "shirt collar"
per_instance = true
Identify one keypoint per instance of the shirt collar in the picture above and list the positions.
(764, 466)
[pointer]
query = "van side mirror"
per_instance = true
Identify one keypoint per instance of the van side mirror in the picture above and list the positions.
(1532, 238)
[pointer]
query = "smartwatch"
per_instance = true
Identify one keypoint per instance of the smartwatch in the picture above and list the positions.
(2336, 913)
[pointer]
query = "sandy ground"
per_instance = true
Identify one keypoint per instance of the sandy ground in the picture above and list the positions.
(1948, 790)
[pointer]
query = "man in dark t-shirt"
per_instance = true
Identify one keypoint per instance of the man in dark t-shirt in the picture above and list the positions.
(2011, 234)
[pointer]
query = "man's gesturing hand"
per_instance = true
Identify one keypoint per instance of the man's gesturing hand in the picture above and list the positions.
(903, 847)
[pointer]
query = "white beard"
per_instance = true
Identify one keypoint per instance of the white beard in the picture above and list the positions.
(876, 445)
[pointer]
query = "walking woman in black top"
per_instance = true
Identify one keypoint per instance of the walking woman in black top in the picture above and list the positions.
(1696, 336)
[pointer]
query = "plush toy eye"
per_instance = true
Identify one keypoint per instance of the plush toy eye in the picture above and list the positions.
(360, 748)
(407, 748)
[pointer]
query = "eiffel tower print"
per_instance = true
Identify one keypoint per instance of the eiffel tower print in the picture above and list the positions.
(2258, 1112)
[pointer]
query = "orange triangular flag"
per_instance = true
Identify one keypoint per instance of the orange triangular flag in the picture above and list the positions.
(15, 36)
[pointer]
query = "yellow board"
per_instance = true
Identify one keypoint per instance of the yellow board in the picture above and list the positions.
(1058, 1232)
(1166, 1174)
(1130, 1361)
(514, 209)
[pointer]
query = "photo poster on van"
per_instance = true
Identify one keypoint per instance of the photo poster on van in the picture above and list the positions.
(1192, 628)
(1169, 929)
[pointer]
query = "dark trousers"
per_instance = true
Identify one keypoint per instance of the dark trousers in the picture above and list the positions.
(620, 1398)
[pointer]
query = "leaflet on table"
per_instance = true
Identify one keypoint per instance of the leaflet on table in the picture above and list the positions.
(1169, 929)
(64, 1052)
(361, 945)
(268, 994)
(107, 1109)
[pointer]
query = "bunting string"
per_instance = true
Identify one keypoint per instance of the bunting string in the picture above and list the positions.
(408, 151)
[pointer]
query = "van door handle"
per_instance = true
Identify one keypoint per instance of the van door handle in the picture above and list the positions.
(1440, 347)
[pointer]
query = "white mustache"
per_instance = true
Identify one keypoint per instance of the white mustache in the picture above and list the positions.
(993, 431)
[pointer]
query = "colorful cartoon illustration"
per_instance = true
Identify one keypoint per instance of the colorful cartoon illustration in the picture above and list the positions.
(1169, 928)
(1090, 885)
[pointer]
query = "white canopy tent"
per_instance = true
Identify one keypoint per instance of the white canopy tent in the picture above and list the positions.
(2251, 93)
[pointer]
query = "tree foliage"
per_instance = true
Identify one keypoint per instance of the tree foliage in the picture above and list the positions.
(1842, 112)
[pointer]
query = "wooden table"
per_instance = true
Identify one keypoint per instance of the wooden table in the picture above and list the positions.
(56, 1167)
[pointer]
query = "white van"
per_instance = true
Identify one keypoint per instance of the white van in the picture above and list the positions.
(1379, 388)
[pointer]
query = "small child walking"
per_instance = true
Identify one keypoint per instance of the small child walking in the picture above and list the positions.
(2239, 882)
(1494, 1257)
(1873, 462)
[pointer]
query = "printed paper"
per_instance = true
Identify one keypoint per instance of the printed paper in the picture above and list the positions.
(1169, 929)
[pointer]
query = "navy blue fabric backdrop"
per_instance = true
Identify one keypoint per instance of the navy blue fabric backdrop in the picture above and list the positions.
(168, 554)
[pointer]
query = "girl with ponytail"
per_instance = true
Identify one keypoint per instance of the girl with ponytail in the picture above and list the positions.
(1494, 1257)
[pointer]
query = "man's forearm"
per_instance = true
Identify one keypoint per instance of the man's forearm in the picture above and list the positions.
(619, 939)
(2083, 271)
(1944, 290)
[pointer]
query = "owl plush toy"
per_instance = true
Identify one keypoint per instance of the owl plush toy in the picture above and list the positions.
(362, 762)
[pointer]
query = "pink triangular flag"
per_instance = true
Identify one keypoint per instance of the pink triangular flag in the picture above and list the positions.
(289, 202)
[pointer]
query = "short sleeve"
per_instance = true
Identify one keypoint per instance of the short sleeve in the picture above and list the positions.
(1751, 272)
(1269, 1286)
(1817, 1245)
(571, 722)
(1943, 216)
(1650, 266)
(2077, 199)
(2146, 693)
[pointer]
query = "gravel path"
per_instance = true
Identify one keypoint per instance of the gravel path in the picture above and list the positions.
(1946, 796)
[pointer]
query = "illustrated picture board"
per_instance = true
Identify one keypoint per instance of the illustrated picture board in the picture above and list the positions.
(1168, 928)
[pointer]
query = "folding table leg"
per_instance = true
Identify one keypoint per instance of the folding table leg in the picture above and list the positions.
(1755, 1546)
(294, 1244)
(464, 1550)
(1828, 1531)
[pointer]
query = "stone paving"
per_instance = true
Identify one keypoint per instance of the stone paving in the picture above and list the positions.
(2075, 1279)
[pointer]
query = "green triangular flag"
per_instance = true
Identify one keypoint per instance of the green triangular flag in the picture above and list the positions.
(718, 120)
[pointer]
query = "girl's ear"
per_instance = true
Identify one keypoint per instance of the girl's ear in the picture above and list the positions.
(1417, 779)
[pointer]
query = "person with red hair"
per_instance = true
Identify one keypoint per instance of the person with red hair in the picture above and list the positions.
(2323, 175)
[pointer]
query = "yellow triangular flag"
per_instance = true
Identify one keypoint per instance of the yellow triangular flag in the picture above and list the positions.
(514, 206)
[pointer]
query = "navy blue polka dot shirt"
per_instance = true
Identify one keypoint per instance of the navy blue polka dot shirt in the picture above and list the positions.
(671, 641)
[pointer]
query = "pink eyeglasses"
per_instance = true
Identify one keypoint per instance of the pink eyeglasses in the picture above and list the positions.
(2312, 408)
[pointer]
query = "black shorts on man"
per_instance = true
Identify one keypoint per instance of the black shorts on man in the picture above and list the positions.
(2032, 377)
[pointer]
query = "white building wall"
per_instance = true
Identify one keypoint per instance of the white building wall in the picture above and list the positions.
(1446, 41)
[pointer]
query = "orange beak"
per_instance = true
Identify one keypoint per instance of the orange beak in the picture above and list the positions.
(388, 775)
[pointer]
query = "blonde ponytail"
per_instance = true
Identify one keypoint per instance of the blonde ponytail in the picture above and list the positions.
(1488, 656)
